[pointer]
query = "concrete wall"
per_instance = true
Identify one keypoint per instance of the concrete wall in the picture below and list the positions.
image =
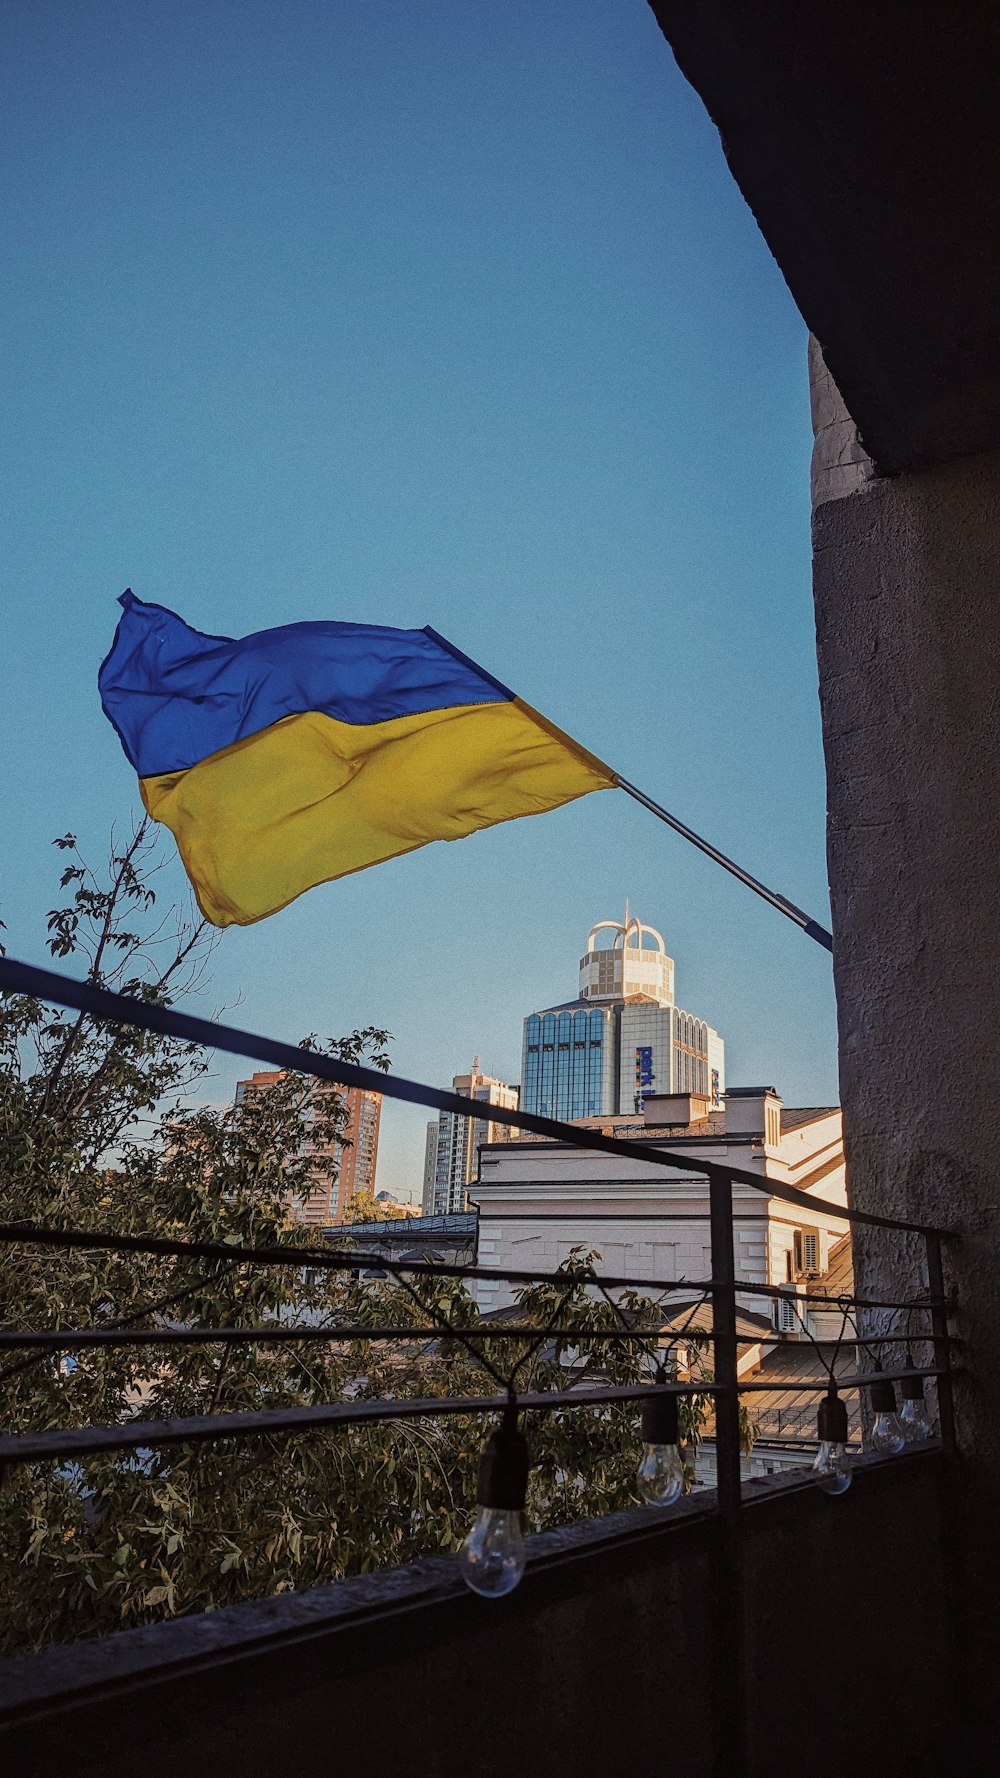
(609, 1659)
(907, 590)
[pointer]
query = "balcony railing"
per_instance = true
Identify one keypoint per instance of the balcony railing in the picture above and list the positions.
(926, 1316)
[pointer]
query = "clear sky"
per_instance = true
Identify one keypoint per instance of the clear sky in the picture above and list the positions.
(407, 314)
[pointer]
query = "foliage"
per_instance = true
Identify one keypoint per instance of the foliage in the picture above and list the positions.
(364, 1206)
(97, 1131)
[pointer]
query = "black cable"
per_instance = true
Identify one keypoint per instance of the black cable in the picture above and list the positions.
(445, 1326)
(165, 1302)
(831, 1367)
(545, 1334)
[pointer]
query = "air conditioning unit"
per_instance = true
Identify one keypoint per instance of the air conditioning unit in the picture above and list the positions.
(806, 1250)
(789, 1314)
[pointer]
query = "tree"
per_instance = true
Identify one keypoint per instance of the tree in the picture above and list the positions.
(97, 1130)
(364, 1206)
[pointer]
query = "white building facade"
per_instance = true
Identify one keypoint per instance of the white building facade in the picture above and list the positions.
(538, 1200)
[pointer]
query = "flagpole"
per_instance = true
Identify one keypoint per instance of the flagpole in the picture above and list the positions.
(809, 926)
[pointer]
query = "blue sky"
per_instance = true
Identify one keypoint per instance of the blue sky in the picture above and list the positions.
(440, 314)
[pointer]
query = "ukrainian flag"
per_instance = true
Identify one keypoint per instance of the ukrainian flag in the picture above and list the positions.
(296, 755)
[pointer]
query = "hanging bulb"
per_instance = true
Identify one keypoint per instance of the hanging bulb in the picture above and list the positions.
(660, 1474)
(493, 1555)
(832, 1465)
(913, 1418)
(887, 1434)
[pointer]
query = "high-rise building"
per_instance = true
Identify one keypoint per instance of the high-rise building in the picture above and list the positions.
(623, 1038)
(338, 1171)
(430, 1167)
(460, 1138)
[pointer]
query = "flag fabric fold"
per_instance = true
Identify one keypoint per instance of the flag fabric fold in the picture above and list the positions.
(300, 754)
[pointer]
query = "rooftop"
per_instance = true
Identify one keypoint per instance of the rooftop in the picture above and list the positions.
(793, 1117)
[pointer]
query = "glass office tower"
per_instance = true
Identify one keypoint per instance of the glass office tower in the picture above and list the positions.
(570, 1064)
(624, 1037)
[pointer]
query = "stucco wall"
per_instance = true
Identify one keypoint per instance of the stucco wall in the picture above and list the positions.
(907, 580)
(907, 591)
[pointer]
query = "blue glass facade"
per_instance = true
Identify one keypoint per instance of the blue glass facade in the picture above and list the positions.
(569, 1068)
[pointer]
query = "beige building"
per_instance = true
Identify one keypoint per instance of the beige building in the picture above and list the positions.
(340, 1170)
(459, 1139)
(537, 1200)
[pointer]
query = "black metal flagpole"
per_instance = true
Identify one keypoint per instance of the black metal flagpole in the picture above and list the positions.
(811, 927)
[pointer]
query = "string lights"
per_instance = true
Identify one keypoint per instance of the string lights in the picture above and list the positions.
(493, 1555)
(913, 1418)
(832, 1465)
(886, 1434)
(660, 1475)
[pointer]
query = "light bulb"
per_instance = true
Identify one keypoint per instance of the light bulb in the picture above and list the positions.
(660, 1475)
(913, 1420)
(832, 1468)
(493, 1555)
(832, 1465)
(887, 1435)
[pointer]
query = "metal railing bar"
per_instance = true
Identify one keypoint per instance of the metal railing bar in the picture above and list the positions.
(281, 1254)
(138, 1435)
(853, 1339)
(65, 1339)
(820, 1385)
(62, 990)
(71, 1338)
(939, 1322)
(725, 1348)
(88, 1441)
(749, 1288)
(770, 1441)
